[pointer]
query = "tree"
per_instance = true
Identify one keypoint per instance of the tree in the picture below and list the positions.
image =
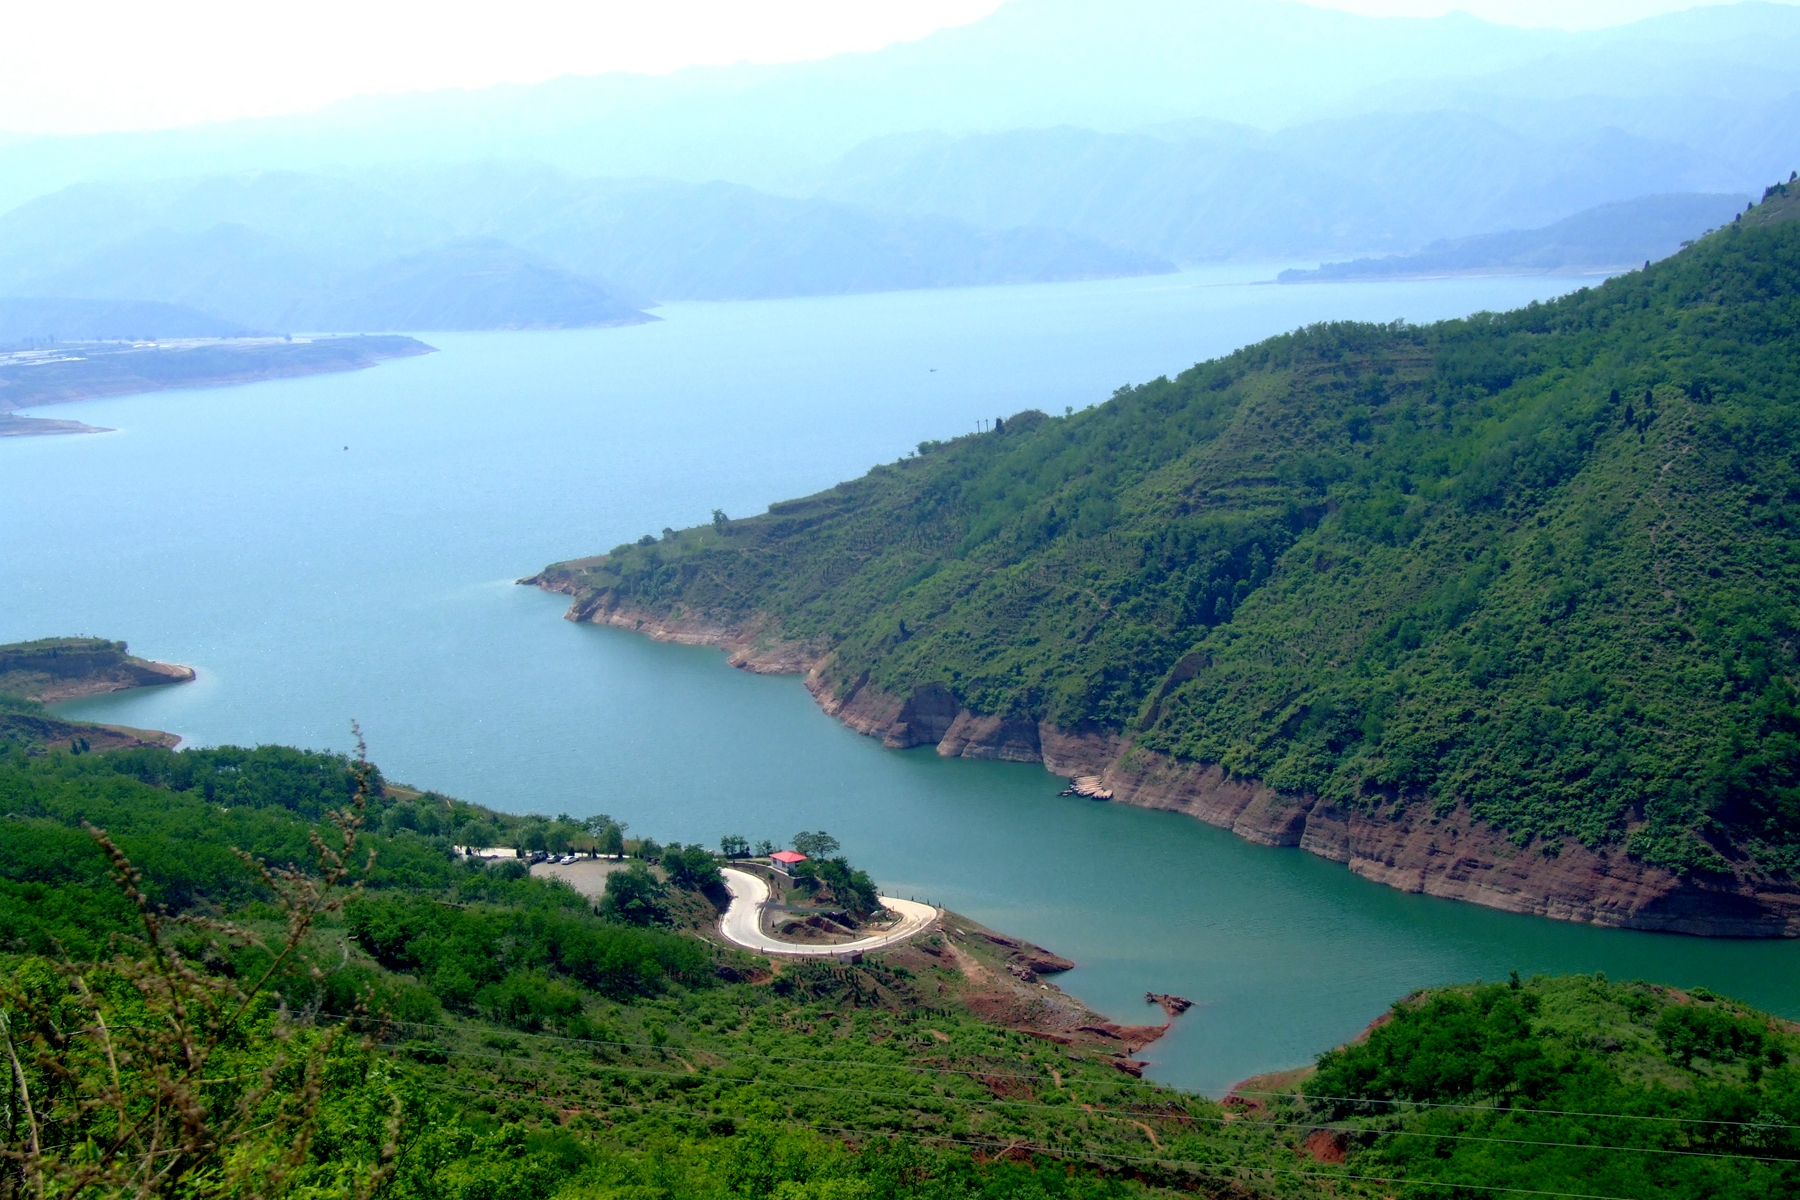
(720, 520)
(609, 835)
(817, 844)
(734, 846)
(691, 867)
(764, 848)
(559, 837)
(633, 895)
(840, 884)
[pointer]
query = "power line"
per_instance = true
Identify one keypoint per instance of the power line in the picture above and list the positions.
(1038, 1078)
(1551, 1112)
(1135, 1114)
(1088, 1156)
(845, 1062)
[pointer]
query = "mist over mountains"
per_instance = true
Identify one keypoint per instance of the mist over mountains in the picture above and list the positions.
(494, 246)
(1051, 140)
(1379, 182)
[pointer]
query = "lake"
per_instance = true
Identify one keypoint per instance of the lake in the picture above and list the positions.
(344, 546)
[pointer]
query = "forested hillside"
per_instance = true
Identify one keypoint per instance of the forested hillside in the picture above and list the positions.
(1542, 563)
(347, 1009)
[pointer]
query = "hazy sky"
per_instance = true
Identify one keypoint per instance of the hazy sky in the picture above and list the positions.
(86, 65)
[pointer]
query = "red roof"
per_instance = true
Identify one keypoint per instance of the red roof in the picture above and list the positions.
(788, 856)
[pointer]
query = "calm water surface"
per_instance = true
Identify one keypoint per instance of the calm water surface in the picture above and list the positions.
(343, 546)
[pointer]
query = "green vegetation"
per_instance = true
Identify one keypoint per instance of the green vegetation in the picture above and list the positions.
(1494, 1086)
(634, 896)
(399, 1022)
(834, 882)
(455, 1030)
(1542, 562)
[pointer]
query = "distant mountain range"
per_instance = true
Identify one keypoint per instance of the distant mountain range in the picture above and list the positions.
(720, 241)
(1607, 237)
(494, 246)
(1196, 194)
(1050, 140)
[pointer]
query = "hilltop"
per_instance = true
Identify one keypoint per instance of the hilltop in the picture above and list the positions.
(1497, 608)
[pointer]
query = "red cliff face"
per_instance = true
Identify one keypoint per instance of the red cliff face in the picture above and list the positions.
(1408, 845)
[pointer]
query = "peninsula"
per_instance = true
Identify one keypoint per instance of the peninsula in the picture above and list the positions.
(1493, 609)
(34, 376)
(51, 670)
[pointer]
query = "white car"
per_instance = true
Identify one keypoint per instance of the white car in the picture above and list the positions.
(567, 860)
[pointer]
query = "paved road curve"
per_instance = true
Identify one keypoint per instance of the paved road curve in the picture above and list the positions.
(742, 923)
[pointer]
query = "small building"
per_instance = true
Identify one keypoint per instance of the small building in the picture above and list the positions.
(785, 860)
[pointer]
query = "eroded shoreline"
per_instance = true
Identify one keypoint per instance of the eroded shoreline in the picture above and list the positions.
(1402, 845)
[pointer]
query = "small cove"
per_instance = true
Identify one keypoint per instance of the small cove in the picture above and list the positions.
(310, 583)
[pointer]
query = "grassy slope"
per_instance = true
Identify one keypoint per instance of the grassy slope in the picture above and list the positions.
(1543, 561)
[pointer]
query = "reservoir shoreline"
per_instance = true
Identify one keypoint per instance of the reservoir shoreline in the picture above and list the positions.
(1404, 844)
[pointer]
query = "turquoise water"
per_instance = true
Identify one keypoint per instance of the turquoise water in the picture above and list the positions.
(232, 530)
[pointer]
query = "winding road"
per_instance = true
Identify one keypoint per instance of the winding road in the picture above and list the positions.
(742, 923)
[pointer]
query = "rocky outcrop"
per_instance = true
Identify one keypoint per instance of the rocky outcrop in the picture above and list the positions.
(1409, 846)
(1002, 738)
(747, 643)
